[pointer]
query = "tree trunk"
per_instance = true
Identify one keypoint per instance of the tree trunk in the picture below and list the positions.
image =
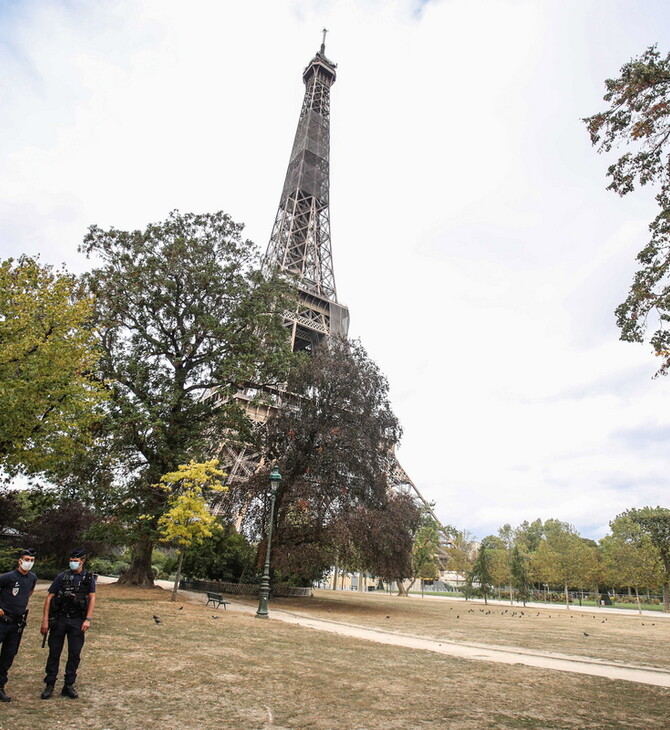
(140, 572)
(334, 577)
(567, 597)
(666, 597)
(401, 587)
(173, 597)
(637, 598)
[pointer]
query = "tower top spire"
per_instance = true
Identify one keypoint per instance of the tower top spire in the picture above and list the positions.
(323, 42)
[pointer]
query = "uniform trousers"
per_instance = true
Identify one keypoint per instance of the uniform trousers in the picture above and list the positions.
(10, 637)
(61, 628)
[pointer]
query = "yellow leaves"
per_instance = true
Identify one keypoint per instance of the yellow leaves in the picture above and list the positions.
(188, 519)
(195, 475)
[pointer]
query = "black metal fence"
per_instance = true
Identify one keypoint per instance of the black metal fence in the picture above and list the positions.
(243, 589)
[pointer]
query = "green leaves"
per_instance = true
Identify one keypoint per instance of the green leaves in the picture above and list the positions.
(639, 117)
(49, 395)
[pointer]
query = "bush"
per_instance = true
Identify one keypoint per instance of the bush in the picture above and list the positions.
(226, 556)
(8, 558)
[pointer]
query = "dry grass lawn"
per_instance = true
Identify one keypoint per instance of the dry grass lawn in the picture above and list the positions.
(613, 637)
(193, 671)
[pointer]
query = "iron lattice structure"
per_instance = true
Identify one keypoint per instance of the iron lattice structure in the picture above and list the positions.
(300, 248)
(300, 244)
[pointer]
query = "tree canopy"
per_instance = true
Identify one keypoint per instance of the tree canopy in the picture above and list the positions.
(333, 442)
(49, 396)
(654, 522)
(638, 116)
(183, 312)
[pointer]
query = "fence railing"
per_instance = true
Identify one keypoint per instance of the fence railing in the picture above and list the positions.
(278, 590)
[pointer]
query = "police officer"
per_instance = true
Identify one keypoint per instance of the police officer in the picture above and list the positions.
(67, 612)
(16, 587)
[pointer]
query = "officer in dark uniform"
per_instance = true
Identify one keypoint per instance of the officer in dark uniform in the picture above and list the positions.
(67, 612)
(16, 587)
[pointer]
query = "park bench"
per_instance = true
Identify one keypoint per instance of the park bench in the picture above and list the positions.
(217, 599)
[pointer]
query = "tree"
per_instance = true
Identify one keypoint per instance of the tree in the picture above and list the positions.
(48, 394)
(638, 116)
(183, 312)
(461, 551)
(655, 523)
(425, 549)
(563, 557)
(520, 573)
(333, 442)
(59, 529)
(629, 557)
(10, 510)
(224, 556)
(529, 535)
(188, 519)
(384, 536)
(481, 572)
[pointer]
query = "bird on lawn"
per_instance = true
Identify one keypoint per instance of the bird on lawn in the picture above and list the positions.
(585, 634)
(156, 619)
(215, 617)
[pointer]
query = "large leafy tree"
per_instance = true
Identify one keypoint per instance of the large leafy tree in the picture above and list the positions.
(564, 558)
(183, 312)
(481, 572)
(638, 116)
(520, 574)
(333, 442)
(655, 523)
(630, 559)
(48, 394)
(426, 549)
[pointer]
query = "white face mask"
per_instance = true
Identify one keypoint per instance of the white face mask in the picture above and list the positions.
(74, 565)
(27, 564)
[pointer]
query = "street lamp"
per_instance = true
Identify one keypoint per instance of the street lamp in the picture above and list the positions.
(264, 593)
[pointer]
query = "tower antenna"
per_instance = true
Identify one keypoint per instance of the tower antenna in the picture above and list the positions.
(323, 43)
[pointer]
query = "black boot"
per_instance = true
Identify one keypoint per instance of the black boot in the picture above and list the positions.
(4, 697)
(69, 691)
(47, 692)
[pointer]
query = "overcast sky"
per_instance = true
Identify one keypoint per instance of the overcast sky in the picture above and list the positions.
(474, 241)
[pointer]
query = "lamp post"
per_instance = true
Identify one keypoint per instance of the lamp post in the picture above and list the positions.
(264, 593)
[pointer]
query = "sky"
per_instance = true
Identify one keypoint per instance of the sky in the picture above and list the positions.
(474, 242)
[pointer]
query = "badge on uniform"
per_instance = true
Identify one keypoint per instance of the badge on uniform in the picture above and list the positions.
(15, 590)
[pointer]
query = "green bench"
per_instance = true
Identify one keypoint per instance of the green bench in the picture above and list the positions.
(216, 599)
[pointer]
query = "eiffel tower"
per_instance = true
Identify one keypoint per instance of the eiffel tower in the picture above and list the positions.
(300, 247)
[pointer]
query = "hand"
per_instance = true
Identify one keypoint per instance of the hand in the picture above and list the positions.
(44, 628)
(85, 626)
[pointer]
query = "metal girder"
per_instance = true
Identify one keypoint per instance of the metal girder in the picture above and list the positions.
(300, 247)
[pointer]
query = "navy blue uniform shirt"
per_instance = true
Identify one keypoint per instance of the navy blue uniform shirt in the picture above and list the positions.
(15, 590)
(76, 580)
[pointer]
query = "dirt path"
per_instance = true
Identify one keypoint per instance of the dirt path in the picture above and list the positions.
(463, 650)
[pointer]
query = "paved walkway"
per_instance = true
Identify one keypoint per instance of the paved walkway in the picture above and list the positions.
(463, 650)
